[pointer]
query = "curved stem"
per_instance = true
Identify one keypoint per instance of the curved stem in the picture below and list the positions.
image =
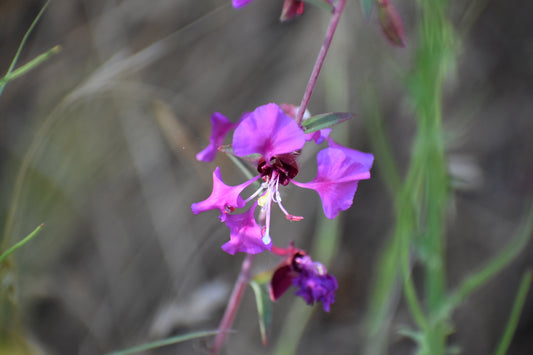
(337, 11)
(233, 304)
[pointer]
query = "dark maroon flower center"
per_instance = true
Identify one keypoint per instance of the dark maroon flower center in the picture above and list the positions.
(283, 165)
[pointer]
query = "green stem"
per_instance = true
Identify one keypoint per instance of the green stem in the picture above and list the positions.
(21, 243)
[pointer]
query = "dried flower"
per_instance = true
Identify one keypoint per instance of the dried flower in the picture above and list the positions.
(311, 279)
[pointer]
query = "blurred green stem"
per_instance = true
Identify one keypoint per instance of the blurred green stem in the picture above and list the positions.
(515, 314)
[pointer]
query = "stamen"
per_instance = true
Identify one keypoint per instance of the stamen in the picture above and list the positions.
(257, 192)
(289, 216)
(263, 200)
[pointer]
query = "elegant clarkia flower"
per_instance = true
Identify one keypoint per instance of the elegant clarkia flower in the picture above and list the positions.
(272, 141)
(311, 279)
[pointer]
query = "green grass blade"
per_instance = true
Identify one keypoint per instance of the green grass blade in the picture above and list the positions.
(29, 66)
(264, 308)
(164, 342)
(21, 243)
(22, 43)
(486, 273)
(515, 314)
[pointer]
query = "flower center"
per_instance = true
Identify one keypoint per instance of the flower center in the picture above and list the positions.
(282, 166)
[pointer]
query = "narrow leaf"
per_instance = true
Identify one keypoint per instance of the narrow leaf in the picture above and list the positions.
(264, 308)
(164, 342)
(323, 4)
(22, 43)
(515, 314)
(21, 243)
(325, 120)
(29, 66)
(486, 273)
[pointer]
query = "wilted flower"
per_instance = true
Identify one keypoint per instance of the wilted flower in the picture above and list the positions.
(311, 278)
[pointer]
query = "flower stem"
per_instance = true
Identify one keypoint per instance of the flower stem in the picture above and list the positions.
(337, 10)
(233, 304)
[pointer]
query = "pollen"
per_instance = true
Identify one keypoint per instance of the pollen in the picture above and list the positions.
(261, 201)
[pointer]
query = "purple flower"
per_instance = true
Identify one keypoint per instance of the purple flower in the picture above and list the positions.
(220, 127)
(311, 279)
(314, 283)
(246, 235)
(272, 140)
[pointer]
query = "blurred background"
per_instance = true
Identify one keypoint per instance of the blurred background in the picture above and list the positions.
(99, 143)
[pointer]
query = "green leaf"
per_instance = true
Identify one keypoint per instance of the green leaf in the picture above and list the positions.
(515, 314)
(324, 5)
(325, 120)
(264, 307)
(164, 342)
(21, 243)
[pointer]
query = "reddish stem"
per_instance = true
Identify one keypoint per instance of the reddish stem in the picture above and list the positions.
(233, 304)
(337, 11)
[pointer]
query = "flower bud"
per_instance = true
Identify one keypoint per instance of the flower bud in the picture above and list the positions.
(291, 9)
(391, 23)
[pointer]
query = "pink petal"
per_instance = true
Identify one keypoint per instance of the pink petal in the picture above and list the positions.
(339, 171)
(267, 131)
(240, 3)
(223, 197)
(220, 127)
(318, 136)
(246, 235)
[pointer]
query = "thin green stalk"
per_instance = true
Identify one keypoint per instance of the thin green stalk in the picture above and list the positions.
(514, 317)
(22, 43)
(28, 66)
(21, 243)
(165, 342)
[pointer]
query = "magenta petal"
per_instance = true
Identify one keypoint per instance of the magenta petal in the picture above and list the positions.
(339, 171)
(220, 127)
(240, 3)
(223, 197)
(366, 159)
(246, 235)
(318, 136)
(267, 131)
